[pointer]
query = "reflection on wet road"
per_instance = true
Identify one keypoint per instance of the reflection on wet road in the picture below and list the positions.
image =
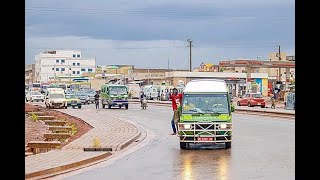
(262, 148)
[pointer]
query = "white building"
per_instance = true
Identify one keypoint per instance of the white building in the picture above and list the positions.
(50, 64)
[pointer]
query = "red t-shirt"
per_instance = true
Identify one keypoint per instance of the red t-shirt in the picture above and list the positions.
(176, 100)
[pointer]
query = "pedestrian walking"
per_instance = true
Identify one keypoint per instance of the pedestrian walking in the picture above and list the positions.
(96, 99)
(273, 101)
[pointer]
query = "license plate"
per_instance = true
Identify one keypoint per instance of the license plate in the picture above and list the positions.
(259, 103)
(119, 103)
(205, 139)
(73, 104)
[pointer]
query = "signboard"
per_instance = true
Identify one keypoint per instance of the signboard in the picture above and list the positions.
(222, 63)
(241, 62)
(256, 63)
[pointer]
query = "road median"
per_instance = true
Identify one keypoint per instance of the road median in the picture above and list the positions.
(72, 156)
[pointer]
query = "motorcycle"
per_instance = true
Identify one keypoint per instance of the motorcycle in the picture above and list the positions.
(144, 103)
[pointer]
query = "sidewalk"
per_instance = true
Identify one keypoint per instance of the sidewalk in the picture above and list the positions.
(259, 109)
(111, 132)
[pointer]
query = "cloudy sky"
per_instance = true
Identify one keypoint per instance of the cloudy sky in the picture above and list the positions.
(151, 33)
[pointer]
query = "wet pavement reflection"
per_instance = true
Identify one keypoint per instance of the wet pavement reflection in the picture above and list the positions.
(262, 148)
(211, 163)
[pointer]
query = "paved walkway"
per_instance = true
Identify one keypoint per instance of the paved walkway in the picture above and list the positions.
(277, 110)
(110, 131)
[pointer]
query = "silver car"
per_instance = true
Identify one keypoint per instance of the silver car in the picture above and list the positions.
(34, 96)
(91, 95)
(83, 96)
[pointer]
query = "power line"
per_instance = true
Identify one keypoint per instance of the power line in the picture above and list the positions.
(143, 48)
(152, 14)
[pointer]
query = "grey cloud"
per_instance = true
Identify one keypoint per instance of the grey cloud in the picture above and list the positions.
(214, 26)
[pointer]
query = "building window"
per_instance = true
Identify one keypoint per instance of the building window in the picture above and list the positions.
(89, 70)
(53, 69)
(63, 61)
(74, 56)
(83, 69)
(78, 55)
(78, 64)
(69, 68)
(63, 69)
(57, 69)
(78, 72)
(74, 64)
(57, 61)
(73, 72)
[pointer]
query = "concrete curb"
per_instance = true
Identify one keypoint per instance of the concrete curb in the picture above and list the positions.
(265, 111)
(68, 166)
(128, 142)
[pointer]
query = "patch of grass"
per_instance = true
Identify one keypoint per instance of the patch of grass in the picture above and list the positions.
(73, 129)
(34, 117)
(96, 143)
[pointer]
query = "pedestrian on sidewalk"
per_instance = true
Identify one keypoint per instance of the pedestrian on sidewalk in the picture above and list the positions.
(285, 99)
(176, 99)
(96, 98)
(273, 101)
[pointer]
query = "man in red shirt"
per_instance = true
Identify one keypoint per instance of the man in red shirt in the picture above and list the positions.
(176, 99)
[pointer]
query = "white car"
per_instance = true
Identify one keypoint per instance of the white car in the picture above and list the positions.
(55, 98)
(34, 96)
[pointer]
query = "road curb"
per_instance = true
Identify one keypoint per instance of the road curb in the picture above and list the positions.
(264, 111)
(66, 167)
(128, 142)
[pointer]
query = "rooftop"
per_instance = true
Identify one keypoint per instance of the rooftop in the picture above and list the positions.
(206, 85)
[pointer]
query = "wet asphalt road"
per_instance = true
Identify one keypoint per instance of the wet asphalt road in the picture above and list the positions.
(262, 148)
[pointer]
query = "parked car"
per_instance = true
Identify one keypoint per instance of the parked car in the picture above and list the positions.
(83, 96)
(73, 101)
(252, 99)
(34, 96)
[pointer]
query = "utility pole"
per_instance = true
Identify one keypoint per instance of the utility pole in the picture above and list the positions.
(148, 75)
(168, 64)
(279, 53)
(190, 45)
